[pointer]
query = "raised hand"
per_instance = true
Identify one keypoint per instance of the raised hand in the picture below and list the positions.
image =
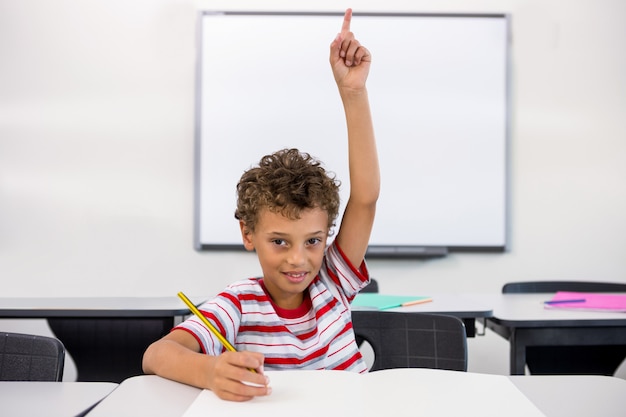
(349, 59)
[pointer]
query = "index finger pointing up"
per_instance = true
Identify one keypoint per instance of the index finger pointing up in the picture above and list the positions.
(345, 27)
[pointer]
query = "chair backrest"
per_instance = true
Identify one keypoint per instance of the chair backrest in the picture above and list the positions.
(552, 286)
(412, 340)
(25, 357)
(371, 287)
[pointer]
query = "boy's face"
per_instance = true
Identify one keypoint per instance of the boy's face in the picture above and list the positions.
(290, 252)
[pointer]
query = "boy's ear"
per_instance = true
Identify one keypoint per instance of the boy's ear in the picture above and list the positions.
(246, 236)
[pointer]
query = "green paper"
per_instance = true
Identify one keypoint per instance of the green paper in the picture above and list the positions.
(383, 302)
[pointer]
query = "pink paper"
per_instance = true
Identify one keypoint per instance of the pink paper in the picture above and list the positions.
(593, 301)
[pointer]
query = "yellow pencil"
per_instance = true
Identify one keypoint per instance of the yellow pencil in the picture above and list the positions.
(206, 322)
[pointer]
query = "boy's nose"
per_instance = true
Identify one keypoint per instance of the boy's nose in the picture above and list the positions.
(296, 256)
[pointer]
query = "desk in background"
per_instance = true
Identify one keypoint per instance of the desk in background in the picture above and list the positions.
(524, 322)
(51, 399)
(106, 336)
(554, 396)
(467, 307)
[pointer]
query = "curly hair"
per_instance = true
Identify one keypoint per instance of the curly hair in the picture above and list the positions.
(287, 182)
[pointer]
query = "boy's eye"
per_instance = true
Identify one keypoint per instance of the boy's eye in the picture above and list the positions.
(278, 242)
(314, 240)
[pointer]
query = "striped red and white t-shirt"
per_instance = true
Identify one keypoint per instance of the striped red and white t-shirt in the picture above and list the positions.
(317, 335)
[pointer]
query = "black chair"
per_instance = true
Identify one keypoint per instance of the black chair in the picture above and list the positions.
(412, 340)
(371, 287)
(585, 360)
(25, 357)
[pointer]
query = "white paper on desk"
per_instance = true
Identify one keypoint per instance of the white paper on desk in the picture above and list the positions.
(427, 392)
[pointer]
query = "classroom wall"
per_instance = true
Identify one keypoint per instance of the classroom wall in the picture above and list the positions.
(97, 142)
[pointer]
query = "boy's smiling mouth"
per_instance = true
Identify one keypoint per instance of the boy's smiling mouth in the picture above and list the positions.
(296, 277)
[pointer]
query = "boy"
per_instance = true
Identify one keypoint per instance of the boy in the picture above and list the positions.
(298, 314)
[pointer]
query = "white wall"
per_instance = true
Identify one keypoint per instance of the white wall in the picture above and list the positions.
(96, 152)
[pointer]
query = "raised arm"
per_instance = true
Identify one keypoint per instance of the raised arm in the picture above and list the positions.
(350, 62)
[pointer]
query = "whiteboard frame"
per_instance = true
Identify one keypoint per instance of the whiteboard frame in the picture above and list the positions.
(415, 249)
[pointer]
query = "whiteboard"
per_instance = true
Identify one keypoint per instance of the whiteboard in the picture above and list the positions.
(439, 92)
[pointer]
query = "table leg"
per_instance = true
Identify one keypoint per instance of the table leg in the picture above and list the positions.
(470, 327)
(517, 354)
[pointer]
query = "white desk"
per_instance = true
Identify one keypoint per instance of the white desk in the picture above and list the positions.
(106, 336)
(575, 395)
(467, 307)
(81, 307)
(51, 399)
(523, 320)
(468, 395)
